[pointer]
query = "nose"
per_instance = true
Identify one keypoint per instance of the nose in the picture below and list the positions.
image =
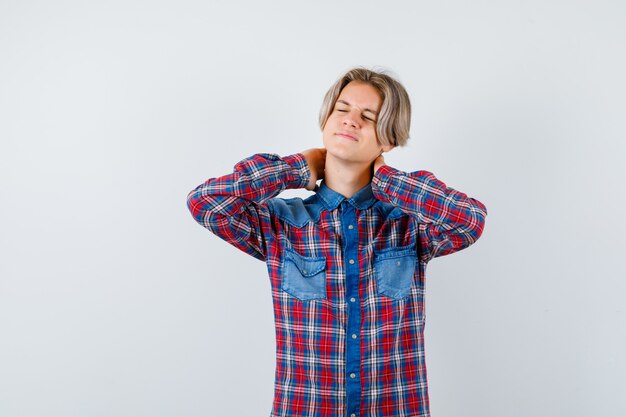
(350, 120)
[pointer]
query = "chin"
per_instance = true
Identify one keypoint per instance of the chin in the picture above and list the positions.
(344, 156)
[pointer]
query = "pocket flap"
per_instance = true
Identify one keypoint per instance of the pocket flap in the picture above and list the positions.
(307, 265)
(403, 251)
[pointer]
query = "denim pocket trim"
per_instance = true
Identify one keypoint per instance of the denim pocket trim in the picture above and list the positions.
(304, 277)
(394, 270)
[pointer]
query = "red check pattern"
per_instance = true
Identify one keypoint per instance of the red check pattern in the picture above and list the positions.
(353, 344)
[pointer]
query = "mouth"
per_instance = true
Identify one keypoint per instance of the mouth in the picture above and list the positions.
(347, 136)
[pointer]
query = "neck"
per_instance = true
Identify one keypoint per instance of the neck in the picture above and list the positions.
(346, 178)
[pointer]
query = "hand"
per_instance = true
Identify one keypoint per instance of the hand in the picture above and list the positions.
(316, 158)
(378, 162)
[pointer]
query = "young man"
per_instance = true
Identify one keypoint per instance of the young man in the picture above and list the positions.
(347, 264)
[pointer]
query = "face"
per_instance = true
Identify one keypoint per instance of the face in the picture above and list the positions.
(350, 131)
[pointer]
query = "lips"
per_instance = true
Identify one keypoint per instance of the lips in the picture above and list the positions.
(347, 136)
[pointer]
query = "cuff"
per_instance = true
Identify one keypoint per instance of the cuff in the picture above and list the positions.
(300, 173)
(382, 180)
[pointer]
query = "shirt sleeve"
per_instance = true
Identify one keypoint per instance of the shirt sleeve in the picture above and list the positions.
(448, 220)
(234, 207)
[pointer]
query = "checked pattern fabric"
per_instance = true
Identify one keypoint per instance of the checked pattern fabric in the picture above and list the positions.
(347, 278)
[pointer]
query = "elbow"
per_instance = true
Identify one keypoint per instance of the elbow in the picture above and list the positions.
(206, 209)
(477, 225)
(477, 231)
(196, 205)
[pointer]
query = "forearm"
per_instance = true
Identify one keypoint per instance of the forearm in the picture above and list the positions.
(232, 206)
(450, 220)
(254, 179)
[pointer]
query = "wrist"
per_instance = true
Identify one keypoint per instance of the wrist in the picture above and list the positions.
(301, 173)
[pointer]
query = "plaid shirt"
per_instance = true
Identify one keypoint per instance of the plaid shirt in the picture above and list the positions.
(347, 278)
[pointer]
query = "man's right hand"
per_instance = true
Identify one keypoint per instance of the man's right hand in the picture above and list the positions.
(316, 158)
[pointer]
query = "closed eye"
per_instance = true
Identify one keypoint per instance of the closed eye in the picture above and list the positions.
(366, 118)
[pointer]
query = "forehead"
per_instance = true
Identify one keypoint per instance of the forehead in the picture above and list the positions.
(361, 94)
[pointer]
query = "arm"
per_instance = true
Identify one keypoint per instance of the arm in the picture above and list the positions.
(233, 206)
(448, 220)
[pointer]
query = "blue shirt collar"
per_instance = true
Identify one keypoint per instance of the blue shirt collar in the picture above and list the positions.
(362, 199)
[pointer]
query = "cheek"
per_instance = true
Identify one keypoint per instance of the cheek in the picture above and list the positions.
(326, 132)
(330, 120)
(374, 136)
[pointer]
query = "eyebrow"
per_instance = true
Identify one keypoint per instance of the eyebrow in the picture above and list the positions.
(369, 110)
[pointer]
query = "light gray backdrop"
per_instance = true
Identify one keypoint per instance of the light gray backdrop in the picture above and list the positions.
(114, 302)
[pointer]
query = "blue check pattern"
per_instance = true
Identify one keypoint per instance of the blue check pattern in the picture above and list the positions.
(347, 278)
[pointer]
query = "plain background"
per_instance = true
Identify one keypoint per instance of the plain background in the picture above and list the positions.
(114, 302)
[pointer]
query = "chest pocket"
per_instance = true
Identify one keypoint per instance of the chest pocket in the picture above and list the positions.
(394, 270)
(304, 277)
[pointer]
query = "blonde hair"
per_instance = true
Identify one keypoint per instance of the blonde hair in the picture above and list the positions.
(394, 118)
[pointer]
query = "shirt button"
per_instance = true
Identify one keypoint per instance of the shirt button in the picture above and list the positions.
(352, 299)
(350, 227)
(354, 336)
(353, 375)
(351, 261)
(398, 263)
(352, 415)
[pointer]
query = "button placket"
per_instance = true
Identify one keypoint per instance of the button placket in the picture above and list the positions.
(353, 351)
